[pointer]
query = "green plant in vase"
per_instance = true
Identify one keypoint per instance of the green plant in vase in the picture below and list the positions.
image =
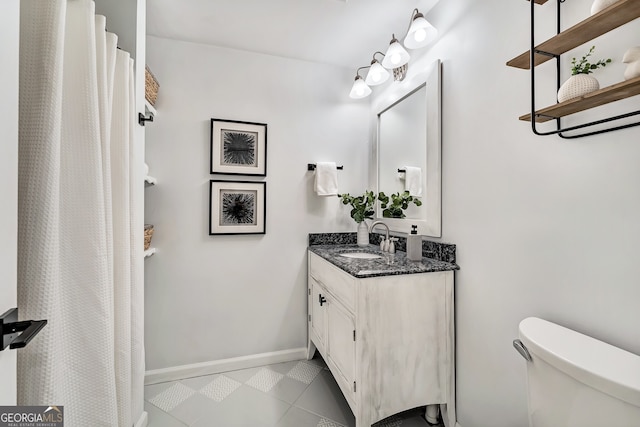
(393, 206)
(361, 206)
(581, 83)
(361, 209)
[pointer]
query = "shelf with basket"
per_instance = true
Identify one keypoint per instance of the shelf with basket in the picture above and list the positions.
(602, 22)
(148, 235)
(151, 94)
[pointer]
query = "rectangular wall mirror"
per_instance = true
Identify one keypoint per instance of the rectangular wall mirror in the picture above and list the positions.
(408, 134)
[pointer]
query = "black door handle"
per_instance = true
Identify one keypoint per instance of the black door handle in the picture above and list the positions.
(321, 299)
(16, 334)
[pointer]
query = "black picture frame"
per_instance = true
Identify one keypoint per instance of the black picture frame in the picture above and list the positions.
(238, 148)
(237, 207)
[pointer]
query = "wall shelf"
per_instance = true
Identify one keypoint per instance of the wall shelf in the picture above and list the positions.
(612, 17)
(603, 96)
(150, 108)
(618, 14)
(149, 252)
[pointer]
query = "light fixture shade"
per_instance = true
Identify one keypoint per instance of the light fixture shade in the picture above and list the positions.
(420, 34)
(396, 55)
(377, 74)
(359, 89)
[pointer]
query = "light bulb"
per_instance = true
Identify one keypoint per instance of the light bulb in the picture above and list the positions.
(420, 35)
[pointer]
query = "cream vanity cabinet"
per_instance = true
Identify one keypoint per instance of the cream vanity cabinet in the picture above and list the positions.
(388, 340)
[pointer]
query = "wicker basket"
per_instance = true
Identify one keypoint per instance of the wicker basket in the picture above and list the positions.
(148, 234)
(151, 86)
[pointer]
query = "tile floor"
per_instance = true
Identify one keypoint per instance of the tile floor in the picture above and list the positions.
(292, 394)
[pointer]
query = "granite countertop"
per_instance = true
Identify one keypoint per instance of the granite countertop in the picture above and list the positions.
(388, 265)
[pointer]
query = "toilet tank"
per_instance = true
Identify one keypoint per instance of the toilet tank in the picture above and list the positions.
(577, 381)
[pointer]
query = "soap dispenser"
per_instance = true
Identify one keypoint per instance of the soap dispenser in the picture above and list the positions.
(414, 245)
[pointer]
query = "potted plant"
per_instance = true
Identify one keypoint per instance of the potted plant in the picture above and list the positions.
(580, 83)
(361, 209)
(394, 206)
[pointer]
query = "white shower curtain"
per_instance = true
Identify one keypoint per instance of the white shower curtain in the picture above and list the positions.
(78, 254)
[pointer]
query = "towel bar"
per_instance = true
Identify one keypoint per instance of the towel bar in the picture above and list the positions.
(312, 167)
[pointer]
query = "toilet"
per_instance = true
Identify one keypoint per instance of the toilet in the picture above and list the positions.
(577, 381)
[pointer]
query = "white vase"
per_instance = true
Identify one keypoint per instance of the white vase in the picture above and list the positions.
(632, 59)
(363, 234)
(599, 5)
(632, 71)
(577, 86)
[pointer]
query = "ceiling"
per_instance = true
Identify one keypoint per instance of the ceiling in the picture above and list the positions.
(338, 32)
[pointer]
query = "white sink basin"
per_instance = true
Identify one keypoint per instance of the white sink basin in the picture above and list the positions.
(360, 255)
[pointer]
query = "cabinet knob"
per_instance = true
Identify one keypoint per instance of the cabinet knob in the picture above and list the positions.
(321, 299)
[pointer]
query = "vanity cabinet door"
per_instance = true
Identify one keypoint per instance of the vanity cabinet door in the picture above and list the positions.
(341, 346)
(317, 309)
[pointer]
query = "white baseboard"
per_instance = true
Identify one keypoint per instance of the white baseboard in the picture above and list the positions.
(216, 366)
(143, 421)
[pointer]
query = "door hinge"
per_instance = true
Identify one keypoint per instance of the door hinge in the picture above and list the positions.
(309, 318)
(354, 386)
(309, 291)
(354, 334)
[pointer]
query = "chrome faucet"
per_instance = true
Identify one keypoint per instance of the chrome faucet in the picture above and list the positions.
(384, 245)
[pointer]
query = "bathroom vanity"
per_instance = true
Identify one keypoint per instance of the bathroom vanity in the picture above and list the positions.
(385, 327)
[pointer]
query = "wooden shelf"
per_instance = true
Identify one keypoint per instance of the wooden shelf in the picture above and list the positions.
(604, 96)
(617, 14)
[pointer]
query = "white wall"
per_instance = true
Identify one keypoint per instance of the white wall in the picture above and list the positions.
(216, 297)
(10, 35)
(544, 227)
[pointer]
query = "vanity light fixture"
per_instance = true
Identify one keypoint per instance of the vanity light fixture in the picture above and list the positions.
(419, 34)
(359, 88)
(377, 73)
(396, 55)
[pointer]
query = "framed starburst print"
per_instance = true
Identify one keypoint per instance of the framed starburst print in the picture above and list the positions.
(237, 207)
(238, 148)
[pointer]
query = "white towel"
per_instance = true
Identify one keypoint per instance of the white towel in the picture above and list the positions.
(413, 180)
(326, 179)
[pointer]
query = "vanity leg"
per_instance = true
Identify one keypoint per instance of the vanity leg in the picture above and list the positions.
(431, 414)
(311, 349)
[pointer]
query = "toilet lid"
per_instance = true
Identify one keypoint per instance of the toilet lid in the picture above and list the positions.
(599, 365)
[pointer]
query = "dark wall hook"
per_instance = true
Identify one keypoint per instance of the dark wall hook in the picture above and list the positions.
(142, 119)
(18, 334)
